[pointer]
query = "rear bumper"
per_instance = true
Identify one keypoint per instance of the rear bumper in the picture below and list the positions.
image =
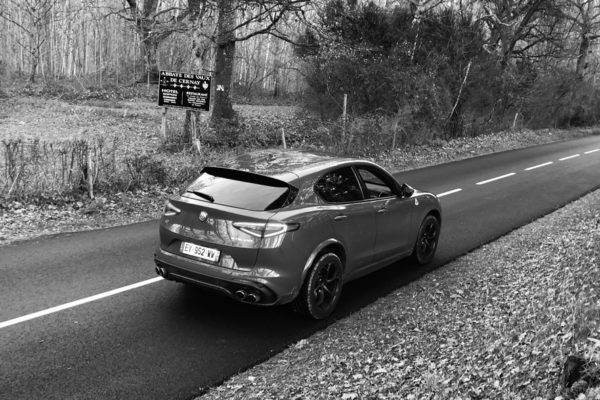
(258, 285)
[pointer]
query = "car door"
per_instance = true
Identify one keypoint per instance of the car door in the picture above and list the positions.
(352, 218)
(393, 214)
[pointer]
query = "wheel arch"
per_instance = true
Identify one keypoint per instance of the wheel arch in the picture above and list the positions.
(436, 213)
(333, 245)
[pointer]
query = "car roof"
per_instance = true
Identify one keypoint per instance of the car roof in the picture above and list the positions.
(286, 165)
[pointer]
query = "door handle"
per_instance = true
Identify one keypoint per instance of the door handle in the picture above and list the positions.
(382, 210)
(340, 217)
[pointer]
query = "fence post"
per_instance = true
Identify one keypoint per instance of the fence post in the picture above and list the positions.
(344, 118)
(90, 173)
(163, 127)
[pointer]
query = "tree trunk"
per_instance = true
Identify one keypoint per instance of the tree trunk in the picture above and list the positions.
(35, 57)
(150, 50)
(144, 24)
(222, 107)
(584, 47)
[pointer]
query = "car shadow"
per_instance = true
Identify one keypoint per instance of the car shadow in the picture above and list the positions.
(195, 301)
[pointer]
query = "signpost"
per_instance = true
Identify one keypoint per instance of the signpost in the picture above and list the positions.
(183, 90)
(178, 89)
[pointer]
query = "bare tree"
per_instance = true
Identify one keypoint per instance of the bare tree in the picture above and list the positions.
(584, 18)
(512, 22)
(156, 20)
(36, 15)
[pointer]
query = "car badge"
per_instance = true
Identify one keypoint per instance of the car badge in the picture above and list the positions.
(416, 202)
(203, 216)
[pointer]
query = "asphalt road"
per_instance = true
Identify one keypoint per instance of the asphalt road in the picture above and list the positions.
(162, 340)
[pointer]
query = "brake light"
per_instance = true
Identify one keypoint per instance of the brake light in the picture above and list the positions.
(265, 230)
(170, 210)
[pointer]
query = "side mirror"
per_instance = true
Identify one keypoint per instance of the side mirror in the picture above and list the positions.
(405, 190)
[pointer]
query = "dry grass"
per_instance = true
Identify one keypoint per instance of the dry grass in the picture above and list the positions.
(54, 120)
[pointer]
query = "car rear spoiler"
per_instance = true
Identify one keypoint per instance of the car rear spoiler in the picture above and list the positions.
(246, 176)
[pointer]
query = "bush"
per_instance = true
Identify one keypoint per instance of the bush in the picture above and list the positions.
(562, 99)
(387, 64)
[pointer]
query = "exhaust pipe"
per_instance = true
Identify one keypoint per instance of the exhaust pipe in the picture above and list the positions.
(241, 294)
(244, 296)
(253, 298)
(161, 271)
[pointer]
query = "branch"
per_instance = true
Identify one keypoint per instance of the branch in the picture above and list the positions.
(274, 12)
(16, 23)
(460, 90)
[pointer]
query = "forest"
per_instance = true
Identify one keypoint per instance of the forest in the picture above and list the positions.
(448, 68)
(363, 76)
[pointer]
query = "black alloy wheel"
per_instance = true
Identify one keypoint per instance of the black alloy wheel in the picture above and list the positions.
(321, 290)
(427, 240)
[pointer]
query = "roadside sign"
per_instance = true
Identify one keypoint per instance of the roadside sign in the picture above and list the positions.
(180, 89)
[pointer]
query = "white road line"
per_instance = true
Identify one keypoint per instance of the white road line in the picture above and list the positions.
(568, 158)
(538, 166)
(449, 192)
(76, 303)
(591, 151)
(495, 179)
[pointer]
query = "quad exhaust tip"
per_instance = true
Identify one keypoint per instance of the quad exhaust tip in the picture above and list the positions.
(242, 295)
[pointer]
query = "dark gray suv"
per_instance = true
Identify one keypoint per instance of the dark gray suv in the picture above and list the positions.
(275, 227)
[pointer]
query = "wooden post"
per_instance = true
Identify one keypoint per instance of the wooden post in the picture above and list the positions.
(195, 136)
(344, 117)
(163, 128)
(283, 138)
(90, 173)
(193, 121)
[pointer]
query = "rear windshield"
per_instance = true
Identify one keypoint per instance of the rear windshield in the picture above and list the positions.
(241, 189)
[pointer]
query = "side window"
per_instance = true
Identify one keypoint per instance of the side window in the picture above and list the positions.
(376, 186)
(339, 186)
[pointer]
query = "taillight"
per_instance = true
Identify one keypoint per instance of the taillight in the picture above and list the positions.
(265, 229)
(170, 210)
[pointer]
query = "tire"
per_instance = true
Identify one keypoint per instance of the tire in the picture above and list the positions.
(322, 287)
(427, 240)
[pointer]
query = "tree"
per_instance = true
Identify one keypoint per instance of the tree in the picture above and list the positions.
(236, 21)
(156, 20)
(239, 21)
(584, 17)
(33, 21)
(512, 22)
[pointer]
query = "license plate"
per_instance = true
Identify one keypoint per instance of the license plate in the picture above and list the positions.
(204, 253)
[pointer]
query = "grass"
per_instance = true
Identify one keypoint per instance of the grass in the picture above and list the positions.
(497, 323)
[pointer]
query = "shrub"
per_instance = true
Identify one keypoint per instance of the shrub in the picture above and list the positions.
(388, 64)
(562, 99)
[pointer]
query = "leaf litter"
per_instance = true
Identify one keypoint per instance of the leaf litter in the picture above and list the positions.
(496, 323)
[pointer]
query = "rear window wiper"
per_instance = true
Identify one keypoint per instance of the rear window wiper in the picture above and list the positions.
(203, 195)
